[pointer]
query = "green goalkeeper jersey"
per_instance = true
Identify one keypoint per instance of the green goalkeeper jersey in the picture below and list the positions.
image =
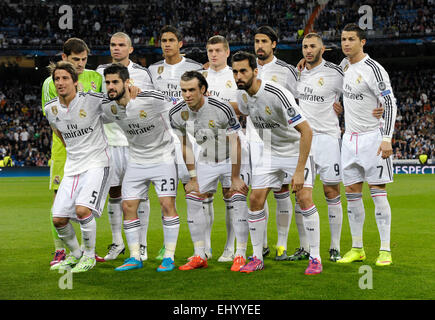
(88, 80)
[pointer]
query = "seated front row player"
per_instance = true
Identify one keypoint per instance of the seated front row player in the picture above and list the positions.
(151, 159)
(286, 137)
(214, 125)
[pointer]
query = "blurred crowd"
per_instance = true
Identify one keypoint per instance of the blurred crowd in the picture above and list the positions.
(36, 23)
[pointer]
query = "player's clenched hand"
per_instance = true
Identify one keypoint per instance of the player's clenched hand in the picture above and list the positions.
(386, 149)
(338, 108)
(378, 112)
(298, 181)
(301, 64)
(134, 91)
(238, 185)
(192, 186)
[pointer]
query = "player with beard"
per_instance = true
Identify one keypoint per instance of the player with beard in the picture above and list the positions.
(140, 77)
(274, 111)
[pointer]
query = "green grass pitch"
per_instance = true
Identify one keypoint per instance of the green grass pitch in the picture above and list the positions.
(26, 248)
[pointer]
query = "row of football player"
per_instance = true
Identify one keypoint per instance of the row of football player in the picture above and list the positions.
(278, 71)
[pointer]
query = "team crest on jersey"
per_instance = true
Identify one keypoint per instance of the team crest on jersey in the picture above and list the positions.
(205, 74)
(160, 70)
(114, 109)
(56, 180)
(54, 110)
(346, 67)
(321, 82)
(185, 115)
(268, 110)
(93, 85)
(80, 86)
(211, 124)
(245, 98)
(359, 79)
(229, 84)
(82, 113)
(274, 78)
(142, 114)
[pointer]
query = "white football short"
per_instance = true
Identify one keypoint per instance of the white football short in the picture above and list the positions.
(138, 177)
(327, 159)
(119, 155)
(360, 161)
(272, 172)
(88, 189)
(210, 174)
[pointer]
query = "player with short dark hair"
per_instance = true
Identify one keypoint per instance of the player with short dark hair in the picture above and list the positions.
(274, 111)
(366, 154)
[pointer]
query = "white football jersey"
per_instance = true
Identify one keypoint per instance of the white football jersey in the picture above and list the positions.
(318, 89)
(81, 126)
(279, 72)
(166, 77)
(221, 84)
(366, 85)
(209, 126)
(141, 78)
(143, 123)
(274, 113)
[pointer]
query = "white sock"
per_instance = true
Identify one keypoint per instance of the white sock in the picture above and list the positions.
(229, 223)
(356, 215)
(335, 216)
(68, 235)
(266, 211)
(209, 219)
(257, 223)
(171, 227)
(299, 218)
(383, 216)
(114, 210)
(312, 229)
(240, 223)
(196, 221)
(143, 213)
(132, 230)
(88, 226)
(284, 210)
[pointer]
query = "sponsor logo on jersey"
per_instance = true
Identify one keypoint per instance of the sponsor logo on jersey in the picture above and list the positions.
(54, 110)
(142, 114)
(268, 110)
(160, 70)
(229, 84)
(185, 115)
(321, 82)
(211, 124)
(114, 109)
(82, 113)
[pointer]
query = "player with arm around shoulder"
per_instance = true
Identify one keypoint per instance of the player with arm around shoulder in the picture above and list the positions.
(274, 111)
